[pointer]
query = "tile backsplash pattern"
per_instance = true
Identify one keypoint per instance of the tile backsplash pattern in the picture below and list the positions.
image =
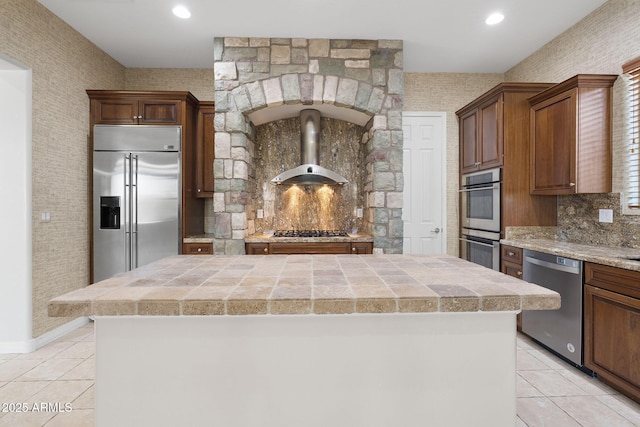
(255, 73)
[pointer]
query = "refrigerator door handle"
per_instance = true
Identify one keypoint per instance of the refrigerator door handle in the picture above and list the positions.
(134, 211)
(127, 212)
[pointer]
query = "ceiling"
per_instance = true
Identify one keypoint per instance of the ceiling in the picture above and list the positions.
(438, 35)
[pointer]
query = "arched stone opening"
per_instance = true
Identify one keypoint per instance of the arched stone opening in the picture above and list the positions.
(257, 82)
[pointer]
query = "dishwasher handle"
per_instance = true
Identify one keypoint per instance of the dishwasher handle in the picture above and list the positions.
(553, 265)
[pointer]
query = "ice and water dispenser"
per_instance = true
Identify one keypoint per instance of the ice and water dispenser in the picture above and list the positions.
(110, 212)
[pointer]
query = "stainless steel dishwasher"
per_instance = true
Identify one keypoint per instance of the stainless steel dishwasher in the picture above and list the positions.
(559, 330)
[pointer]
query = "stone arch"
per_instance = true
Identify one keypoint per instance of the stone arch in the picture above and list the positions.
(258, 80)
(306, 89)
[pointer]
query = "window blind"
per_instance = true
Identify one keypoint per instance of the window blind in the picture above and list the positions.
(631, 72)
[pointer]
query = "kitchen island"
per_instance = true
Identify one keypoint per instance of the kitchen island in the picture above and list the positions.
(314, 340)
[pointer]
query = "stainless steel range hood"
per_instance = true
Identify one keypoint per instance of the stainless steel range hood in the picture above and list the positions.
(309, 172)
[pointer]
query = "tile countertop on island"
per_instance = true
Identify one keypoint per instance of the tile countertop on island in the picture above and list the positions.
(605, 255)
(183, 285)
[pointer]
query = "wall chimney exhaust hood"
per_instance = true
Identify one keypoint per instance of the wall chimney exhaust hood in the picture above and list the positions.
(309, 172)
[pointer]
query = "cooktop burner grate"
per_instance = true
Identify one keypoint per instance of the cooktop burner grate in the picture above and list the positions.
(309, 233)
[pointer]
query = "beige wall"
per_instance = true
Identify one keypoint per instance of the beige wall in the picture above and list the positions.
(198, 81)
(64, 64)
(447, 92)
(599, 44)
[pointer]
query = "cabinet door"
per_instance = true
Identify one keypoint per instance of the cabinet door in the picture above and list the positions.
(490, 144)
(115, 111)
(205, 153)
(612, 338)
(468, 142)
(159, 112)
(553, 145)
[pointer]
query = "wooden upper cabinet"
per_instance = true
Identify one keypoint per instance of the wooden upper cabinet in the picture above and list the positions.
(147, 108)
(481, 138)
(570, 126)
(494, 132)
(135, 108)
(205, 151)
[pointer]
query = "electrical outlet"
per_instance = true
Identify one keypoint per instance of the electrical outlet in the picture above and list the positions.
(45, 217)
(606, 215)
(260, 214)
(359, 212)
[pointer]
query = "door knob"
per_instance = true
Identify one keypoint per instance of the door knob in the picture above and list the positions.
(436, 230)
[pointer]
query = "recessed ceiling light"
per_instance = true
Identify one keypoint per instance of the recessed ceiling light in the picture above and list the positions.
(494, 18)
(181, 12)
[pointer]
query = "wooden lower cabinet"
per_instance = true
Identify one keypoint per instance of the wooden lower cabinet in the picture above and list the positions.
(511, 265)
(288, 248)
(612, 326)
(197, 248)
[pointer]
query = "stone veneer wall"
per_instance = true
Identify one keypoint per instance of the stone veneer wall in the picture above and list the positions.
(64, 64)
(255, 73)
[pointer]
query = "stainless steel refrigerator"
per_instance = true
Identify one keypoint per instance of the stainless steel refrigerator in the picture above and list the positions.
(136, 196)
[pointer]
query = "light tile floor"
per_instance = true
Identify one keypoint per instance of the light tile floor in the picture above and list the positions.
(550, 392)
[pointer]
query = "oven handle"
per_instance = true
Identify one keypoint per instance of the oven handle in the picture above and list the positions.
(492, 245)
(493, 187)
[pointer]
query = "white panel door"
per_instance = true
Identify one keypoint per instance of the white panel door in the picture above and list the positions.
(424, 183)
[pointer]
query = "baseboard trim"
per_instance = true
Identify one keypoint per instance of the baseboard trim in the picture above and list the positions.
(31, 345)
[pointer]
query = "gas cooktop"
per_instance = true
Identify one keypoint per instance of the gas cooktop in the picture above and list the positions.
(309, 233)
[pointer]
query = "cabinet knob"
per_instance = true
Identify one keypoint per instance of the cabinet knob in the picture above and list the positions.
(572, 184)
(510, 253)
(199, 249)
(353, 249)
(519, 273)
(265, 250)
(476, 164)
(199, 190)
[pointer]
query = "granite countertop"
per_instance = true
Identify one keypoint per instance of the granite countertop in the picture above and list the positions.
(200, 238)
(606, 255)
(304, 284)
(268, 238)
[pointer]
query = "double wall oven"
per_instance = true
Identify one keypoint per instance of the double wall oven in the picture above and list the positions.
(480, 197)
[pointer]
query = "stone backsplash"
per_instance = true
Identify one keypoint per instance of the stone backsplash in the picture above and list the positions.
(578, 221)
(362, 77)
(306, 207)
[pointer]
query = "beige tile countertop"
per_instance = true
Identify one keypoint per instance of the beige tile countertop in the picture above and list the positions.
(268, 238)
(606, 255)
(304, 284)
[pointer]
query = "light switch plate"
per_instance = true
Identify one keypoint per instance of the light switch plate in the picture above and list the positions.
(606, 215)
(359, 212)
(260, 213)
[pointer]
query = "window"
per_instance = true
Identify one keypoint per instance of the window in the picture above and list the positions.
(631, 71)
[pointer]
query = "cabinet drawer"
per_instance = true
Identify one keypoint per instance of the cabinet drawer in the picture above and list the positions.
(511, 269)
(511, 254)
(626, 282)
(197, 248)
